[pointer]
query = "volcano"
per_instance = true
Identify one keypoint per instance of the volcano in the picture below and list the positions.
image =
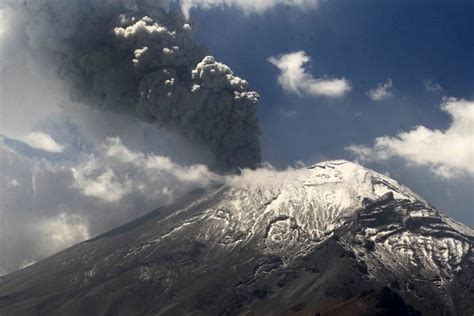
(332, 239)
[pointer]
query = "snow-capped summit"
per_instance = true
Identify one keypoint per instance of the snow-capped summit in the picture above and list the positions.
(288, 213)
(332, 238)
(316, 200)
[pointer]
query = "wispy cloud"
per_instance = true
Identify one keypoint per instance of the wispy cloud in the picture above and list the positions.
(431, 86)
(294, 78)
(61, 231)
(384, 90)
(246, 6)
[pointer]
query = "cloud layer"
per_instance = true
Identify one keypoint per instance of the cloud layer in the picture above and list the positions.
(116, 173)
(48, 205)
(294, 77)
(448, 153)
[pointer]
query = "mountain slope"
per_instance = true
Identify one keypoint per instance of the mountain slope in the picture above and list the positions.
(335, 238)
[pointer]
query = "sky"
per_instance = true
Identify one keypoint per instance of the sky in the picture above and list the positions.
(415, 54)
(388, 84)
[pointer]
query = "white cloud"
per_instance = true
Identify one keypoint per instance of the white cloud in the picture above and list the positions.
(116, 172)
(295, 79)
(449, 152)
(246, 6)
(104, 186)
(62, 231)
(146, 26)
(43, 141)
(382, 92)
(47, 205)
(11, 182)
(431, 86)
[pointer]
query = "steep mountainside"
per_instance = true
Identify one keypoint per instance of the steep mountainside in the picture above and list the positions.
(333, 239)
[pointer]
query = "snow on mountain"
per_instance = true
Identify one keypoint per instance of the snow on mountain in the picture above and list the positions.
(289, 212)
(334, 237)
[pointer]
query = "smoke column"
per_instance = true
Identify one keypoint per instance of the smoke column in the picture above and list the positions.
(140, 58)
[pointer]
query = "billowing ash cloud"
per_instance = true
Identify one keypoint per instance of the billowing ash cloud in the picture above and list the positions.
(140, 58)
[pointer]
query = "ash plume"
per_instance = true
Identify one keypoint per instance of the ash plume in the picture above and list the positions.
(140, 58)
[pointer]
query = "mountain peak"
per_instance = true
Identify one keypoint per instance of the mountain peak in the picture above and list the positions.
(292, 211)
(318, 200)
(334, 235)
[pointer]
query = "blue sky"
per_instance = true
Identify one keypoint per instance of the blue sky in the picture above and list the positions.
(366, 42)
